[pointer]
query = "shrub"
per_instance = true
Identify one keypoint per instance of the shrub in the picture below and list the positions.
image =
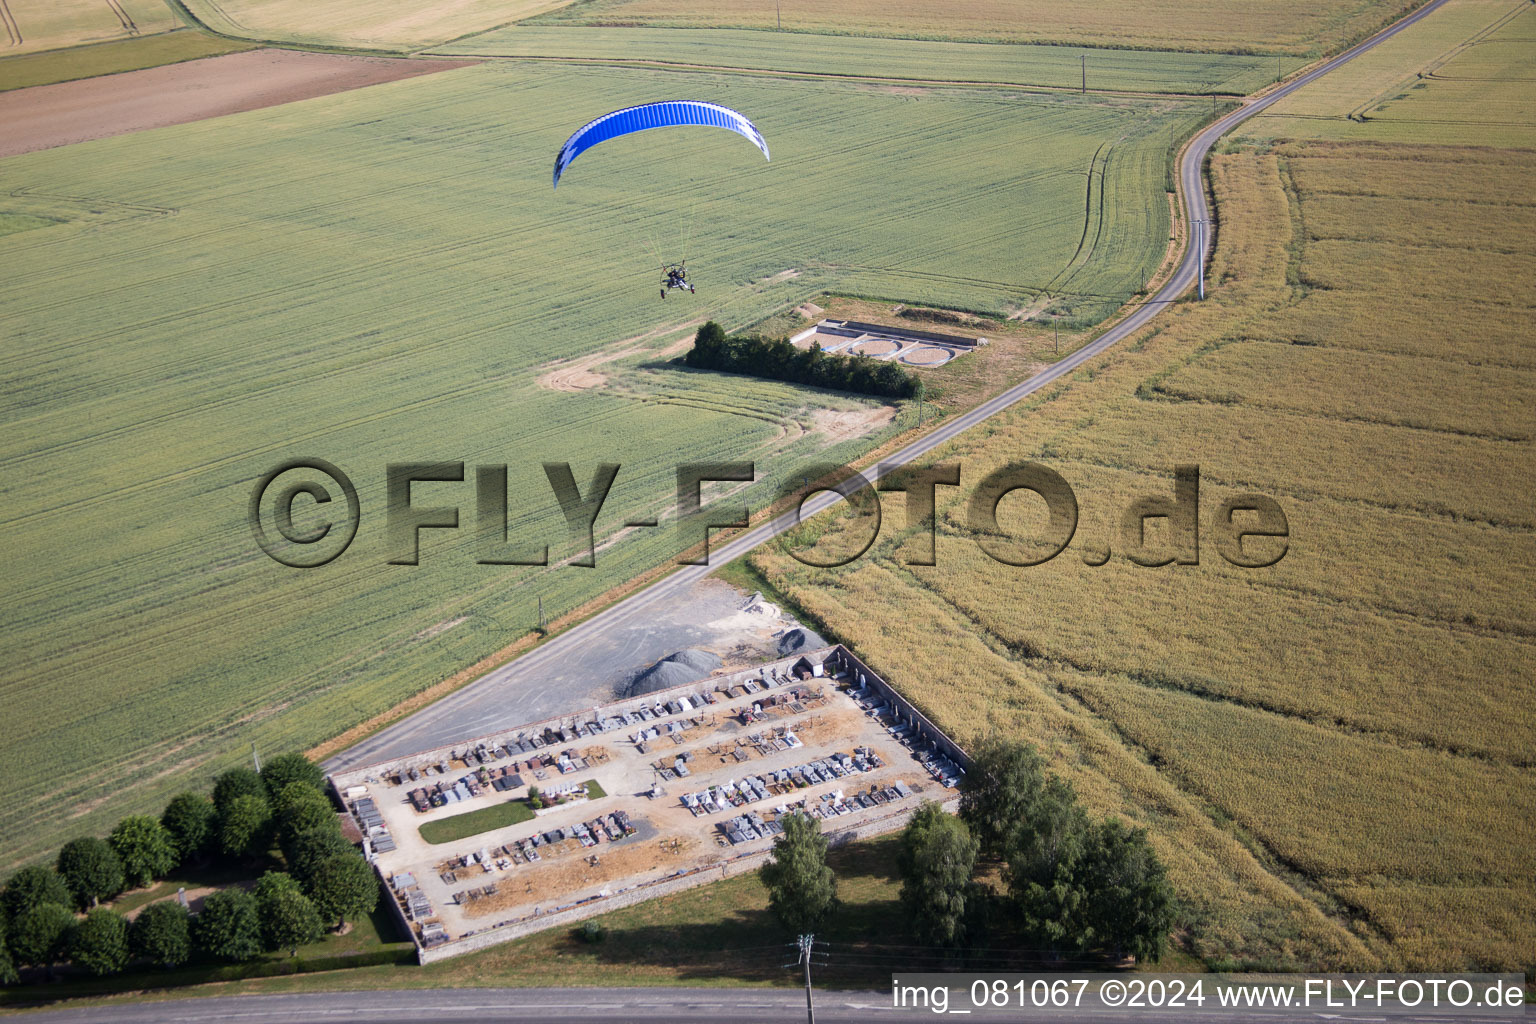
(191, 820)
(288, 769)
(234, 783)
(144, 847)
(30, 887)
(228, 928)
(161, 934)
(38, 936)
(100, 942)
(777, 359)
(91, 869)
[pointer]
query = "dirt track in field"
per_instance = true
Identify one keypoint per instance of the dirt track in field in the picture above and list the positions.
(46, 116)
(581, 374)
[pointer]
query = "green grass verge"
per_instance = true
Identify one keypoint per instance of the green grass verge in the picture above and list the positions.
(487, 819)
(112, 58)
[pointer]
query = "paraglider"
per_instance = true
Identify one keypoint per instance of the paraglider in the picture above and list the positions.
(675, 275)
(645, 116)
(668, 114)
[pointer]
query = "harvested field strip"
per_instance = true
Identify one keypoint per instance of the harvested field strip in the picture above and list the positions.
(1441, 224)
(1456, 476)
(1487, 402)
(1381, 267)
(1427, 923)
(1054, 67)
(1453, 711)
(1502, 337)
(1431, 832)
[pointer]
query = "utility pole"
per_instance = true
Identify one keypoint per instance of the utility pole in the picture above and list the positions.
(1200, 256)
(1085, 73)
(541, 613)
(1057, 324)
(805, 959)
(255, 758)
(778, 12)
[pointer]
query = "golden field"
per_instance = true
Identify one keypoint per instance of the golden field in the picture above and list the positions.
(1460, 76)
(1334, 754)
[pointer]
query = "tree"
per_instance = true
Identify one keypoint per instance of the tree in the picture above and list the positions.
(8, 973)
(245, 826)
(38, 935)
(286, 769)
(144, 847)
(535, 798)
(288, 918)
(802, 889)
(161, 934)
(999, 791)
(299, 807)
(936, 859)
(228, 927)
(709, 346)
(306, 851)
(1045, 869)
(100, 942)
(191, 821)
(1131, 905)
(30, 887)
(236, 782)
(344, 886)
(91, 869)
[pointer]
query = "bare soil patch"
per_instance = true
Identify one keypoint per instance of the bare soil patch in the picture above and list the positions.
(581, 374)
(846, 424)
(47, 116)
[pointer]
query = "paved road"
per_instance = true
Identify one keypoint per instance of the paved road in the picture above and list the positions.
(523, 676)
(566, 1006)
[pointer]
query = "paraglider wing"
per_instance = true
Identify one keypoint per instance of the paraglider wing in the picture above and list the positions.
(667, 114)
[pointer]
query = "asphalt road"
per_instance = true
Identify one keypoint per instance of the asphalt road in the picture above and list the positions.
(732, 1006)
(425, 728)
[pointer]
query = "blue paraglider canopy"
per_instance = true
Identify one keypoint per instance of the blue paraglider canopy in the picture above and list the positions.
(667, 114)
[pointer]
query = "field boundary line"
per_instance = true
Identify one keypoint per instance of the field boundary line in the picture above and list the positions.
(822, 76)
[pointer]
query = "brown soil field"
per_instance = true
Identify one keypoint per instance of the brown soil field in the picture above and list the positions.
(46, 116)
